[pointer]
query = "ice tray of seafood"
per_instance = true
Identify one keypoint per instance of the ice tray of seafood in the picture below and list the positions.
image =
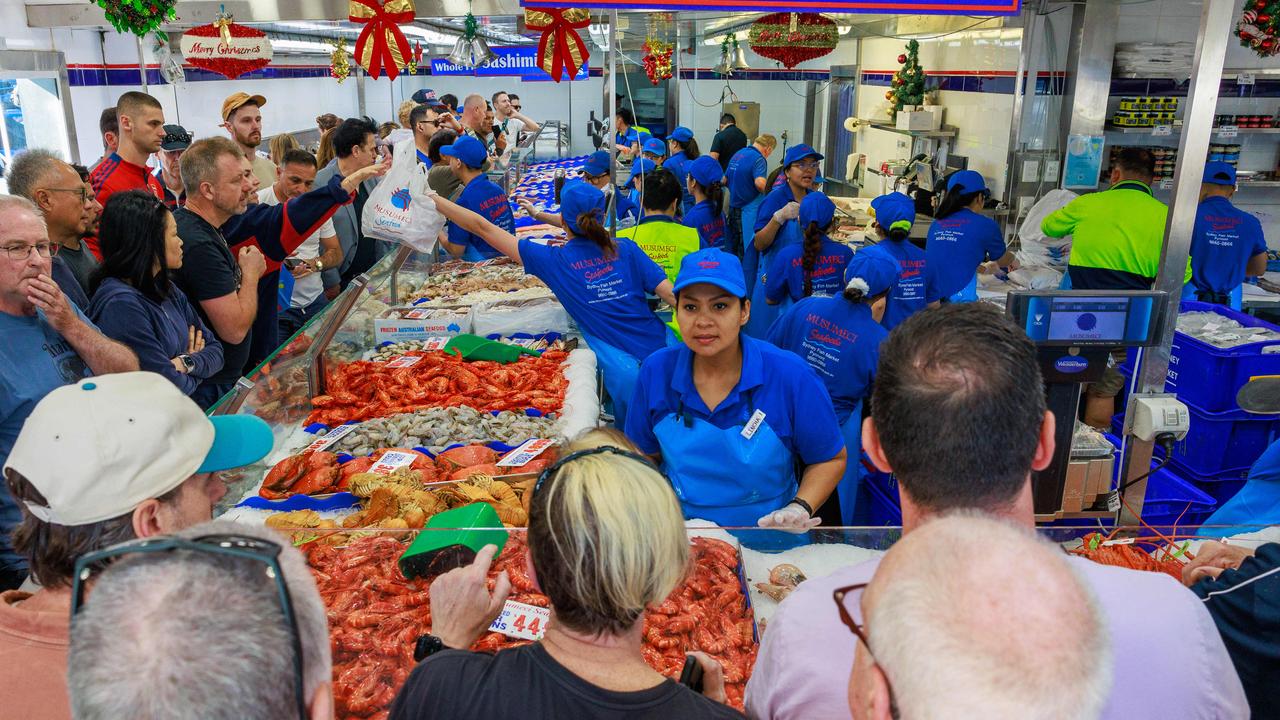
(455, 280)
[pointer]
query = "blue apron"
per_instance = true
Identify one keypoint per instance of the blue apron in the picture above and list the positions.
(969, 293)
(750, 256)
(762, 313)
(471, 254)
(1257, 503)
(1237, 298)
(849, 485)
(620, 370)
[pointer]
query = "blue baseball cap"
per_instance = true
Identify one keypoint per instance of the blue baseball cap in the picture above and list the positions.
(577, 198)
(597, 164)
(682, 134)
(706, 170)
(714, 267)
(640, 167)
(423, 96)
(796, 153)
(238, 440)
(967, 181)
(1219, 173)
(816, 207)
(467, 149)
(894, 210)
(654, 146)
(877, 273)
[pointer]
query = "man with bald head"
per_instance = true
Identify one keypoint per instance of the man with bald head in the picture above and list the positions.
(67, 205)
(959, 417)
(935, 641)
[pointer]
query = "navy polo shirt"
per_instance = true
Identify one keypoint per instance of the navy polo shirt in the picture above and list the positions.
(485, 198)
(605, 296)
(709, 224)
(785, 277)
(840, 340)
(958, 244)
(744, 167)
(794, 401)
(1223, 240)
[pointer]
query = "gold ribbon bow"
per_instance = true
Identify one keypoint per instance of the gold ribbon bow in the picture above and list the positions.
(560, 48)
(381, 46)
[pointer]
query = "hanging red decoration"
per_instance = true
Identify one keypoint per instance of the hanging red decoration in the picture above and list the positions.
(561, 51)
(902, 59)
(226, 48)
(657, 60)
(381, 47)
(792, 38)
(1259, 29)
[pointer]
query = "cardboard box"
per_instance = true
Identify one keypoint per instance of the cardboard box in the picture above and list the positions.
(400, 324)
(919, 120)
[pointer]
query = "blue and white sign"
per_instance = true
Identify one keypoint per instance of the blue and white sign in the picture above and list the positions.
(521, 62)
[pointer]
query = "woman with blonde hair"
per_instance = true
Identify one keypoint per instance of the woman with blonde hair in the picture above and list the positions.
(279, 145)
(606, 541)
(325, 153)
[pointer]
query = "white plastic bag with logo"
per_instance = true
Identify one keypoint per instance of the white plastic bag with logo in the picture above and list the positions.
(1039, 249)
(399, 208)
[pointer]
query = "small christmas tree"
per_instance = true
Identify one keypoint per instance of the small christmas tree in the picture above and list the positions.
(908, 82)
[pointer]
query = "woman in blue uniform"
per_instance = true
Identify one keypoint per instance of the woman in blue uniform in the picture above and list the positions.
(595, 172)
(914, 289)
(654, 149)
(683, 150)
(601, 282)
(840, 339)
(707, 212)
(776, 227)
(815, 266)
(729, 416)
(960, 239)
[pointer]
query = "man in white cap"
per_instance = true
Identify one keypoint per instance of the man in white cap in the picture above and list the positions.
(103, 461)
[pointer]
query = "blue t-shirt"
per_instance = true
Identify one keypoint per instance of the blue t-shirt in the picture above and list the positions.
(840, 340)
(915, 287)
(628, 139)
(625, 207)
(1223, 240)
(785, 277)
(709, 224)
(794, 401)
(678, 164)
(424, 158)
(606, 297)
(958, 244)
(744, 167)
(34, 361)
(484, 197)
(772, 203)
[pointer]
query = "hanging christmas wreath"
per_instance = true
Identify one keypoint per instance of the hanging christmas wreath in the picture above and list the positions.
(137, 16)
(1259, 27)
(792, 38)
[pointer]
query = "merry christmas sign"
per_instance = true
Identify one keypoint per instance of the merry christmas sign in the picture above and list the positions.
(228, 49)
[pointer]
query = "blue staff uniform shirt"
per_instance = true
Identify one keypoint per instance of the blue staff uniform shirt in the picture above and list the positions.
(625, 207)
(1223, 240)
(915, 287)
(958, 244)
(424, 159)
(606, 297)
(785, 277)
(485, 198)
(773, 202)
(779, 384)
(744, 167)
(678, 164)
(709, 224)
(840, 340)
(631, 137)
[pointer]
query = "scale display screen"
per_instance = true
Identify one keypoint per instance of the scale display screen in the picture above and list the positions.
(1085, 319)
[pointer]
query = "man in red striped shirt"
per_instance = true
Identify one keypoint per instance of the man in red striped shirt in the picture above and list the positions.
(141, 133)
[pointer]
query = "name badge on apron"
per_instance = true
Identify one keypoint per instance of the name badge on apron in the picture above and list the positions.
(757, 418)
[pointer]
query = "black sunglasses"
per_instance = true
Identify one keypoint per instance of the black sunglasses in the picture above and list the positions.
(554, 467)
(237, 546)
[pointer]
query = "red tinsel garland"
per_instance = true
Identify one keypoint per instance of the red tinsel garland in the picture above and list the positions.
(772, 36)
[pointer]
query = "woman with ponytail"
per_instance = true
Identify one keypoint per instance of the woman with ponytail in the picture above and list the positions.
(603, 283)
(706, 215)
(682, 151)
(960, 239)
(915, 288)
(840, 338)
(814, 267)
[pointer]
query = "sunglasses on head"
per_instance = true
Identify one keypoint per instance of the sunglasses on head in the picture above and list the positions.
(554, 467)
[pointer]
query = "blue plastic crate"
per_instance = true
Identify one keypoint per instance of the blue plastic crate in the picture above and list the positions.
(1224, 443)
(883, 508)
(1208, 376)
(1171, 495)
(1220, 490)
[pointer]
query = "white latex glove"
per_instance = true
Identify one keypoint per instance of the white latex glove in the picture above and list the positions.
(790, 211)
(791, 518)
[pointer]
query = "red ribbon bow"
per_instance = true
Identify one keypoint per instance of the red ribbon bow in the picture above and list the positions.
(560, 47)
(381, 46)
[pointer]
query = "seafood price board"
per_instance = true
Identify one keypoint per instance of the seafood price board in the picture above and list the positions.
(518, 620)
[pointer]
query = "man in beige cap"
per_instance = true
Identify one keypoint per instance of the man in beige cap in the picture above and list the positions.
(242, 118)
(103, 461)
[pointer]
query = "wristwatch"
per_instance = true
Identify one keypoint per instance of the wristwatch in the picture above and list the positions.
(427, 646)
(319, 265)
(187, 362)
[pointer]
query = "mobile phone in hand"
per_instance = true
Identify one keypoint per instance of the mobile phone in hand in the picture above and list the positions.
(292, 262)
(691, 674)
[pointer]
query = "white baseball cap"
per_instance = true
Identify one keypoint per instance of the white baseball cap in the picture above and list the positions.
(96, 449)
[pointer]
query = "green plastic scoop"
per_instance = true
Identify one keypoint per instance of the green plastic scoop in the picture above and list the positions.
(474, 347)
(451, 539)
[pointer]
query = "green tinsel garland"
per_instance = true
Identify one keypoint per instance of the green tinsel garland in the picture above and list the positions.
(138, 16)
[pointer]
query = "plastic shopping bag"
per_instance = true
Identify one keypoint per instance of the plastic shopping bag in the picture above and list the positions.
(399, 209)
(1038, 248)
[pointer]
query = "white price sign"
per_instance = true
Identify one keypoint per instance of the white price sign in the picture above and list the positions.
(392, 461)
(404, 361)
(1166, 183)
(1162, 130)
(435, 343)
(330, 438)
(1227, 131)
(518, 620)
(527, 451)
(1246, 78)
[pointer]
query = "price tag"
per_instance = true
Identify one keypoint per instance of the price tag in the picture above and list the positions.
(527, 451)
(1246, 78)
(435, 343)
(1113, 501)
(1227, 131)
(1166, 183)
(1162, 130)
(330, 438)
(518, 620)
(757, 419)
(392, 461)
(405, 361)
(417, 314)
(1121, 541)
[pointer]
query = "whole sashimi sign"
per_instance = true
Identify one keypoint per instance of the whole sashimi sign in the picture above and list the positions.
(228, 49)
(909, 7)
